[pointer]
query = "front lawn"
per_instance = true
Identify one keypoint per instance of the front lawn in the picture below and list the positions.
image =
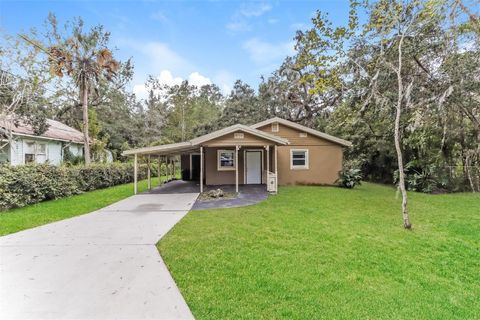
(15, 220)
(331, 253)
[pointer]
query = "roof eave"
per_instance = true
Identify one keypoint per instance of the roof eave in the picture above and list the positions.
(45, 138)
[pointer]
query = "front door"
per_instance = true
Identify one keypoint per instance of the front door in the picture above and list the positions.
(253, 167)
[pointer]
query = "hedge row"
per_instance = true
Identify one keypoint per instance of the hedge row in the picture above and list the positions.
(24, 185)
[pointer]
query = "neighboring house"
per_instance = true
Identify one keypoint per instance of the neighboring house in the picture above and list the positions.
(48, 147)
(275, 151)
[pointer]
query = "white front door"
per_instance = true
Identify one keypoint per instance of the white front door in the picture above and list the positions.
(254, 167)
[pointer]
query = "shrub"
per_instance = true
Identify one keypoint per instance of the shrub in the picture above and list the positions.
(349, 178)
(29, 184)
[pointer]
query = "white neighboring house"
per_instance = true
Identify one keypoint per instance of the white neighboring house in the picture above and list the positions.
(46, 148)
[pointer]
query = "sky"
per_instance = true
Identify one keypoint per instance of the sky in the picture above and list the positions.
(201, 41)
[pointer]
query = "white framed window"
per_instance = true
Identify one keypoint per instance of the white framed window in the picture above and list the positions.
(299, 159)
(35, 152)
(275, 127)
(303, 135)
(225, 160)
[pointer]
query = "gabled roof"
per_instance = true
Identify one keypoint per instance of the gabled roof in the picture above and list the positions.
(235, 128)
(196, 142)
(304, 129)
(56, 131)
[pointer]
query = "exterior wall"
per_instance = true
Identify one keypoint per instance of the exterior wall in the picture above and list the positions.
(16, 153)
(54, 152)
(324, 164)
(325, 158)
(293, 136)
(230, 140)
(215, 177)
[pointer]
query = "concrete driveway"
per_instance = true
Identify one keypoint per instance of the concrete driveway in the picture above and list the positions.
(102, 265)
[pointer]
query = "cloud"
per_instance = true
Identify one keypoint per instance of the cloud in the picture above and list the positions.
(238, 26)
(198, 80)
(162, 57)
(169, 67)
(224, 79)
(298, 26)
(166, 78)
(152, 57)
(240, 20)
(254, 9)
(272, 21)
(265, 53)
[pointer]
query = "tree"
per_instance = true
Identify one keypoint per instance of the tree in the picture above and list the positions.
(390, 66)
(21, 89)
(241, 106)
(84, 56)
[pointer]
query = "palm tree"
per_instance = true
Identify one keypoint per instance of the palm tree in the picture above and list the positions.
(85, 58)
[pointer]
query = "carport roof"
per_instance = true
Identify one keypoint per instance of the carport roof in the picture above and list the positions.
(194, 144)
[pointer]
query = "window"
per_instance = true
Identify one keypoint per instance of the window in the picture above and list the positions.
(303, 134)
(298, 159)
(41, 152)
(225, 160)
(35, 152)
(29, 158)
(30, 152)
(275, 127)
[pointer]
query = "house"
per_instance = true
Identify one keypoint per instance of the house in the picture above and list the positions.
(49, 147)
(272, 152)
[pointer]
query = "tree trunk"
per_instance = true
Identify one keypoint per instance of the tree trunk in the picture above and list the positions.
(401, 173)
(398, 147)
(86, 138)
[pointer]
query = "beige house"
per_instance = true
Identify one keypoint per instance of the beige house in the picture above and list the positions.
(272, 152)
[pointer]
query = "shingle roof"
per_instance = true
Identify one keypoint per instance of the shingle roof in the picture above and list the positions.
(56, 131)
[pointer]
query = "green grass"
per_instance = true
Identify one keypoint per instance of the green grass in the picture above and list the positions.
(15, 220)
(331, 253)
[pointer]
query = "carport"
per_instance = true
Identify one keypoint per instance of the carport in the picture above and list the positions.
(220, 153)
(167, 154)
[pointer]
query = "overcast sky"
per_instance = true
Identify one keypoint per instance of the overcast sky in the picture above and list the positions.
(202, 41)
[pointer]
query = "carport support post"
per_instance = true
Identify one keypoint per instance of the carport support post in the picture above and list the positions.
(167, 168)
(149, 173)
(236, 168)
(268, 158)
(276, 165)
(201, 169)
(135, 163)
(276, 169)
(173, 164)
(159, 170)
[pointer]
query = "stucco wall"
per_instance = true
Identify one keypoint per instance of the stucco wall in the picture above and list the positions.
(230, 140)
(324, 164)
(325, 158)
(215, 177)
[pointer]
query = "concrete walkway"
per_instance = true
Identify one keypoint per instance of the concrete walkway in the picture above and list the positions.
(103, 265)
